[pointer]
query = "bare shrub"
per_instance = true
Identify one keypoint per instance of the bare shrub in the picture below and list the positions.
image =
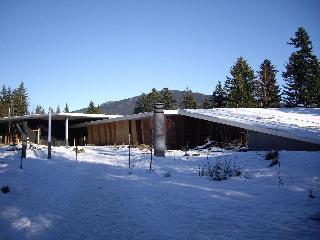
(221, 170)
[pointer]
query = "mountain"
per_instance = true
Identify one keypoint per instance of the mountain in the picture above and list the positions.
(126, 106)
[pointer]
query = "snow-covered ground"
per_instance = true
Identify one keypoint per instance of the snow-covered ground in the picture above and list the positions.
(100, 198)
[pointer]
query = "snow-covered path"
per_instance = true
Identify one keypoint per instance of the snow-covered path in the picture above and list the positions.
(98, 198)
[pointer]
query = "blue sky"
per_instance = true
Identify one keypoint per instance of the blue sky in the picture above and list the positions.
(75, 51)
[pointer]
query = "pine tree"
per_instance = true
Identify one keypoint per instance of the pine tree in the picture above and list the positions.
(3, 102)
(153, 98)
(218, 98)
(39, 110)
(98, 110)
(20, 101)
(1, 106)
(6, 101)
(240, 86)
(188, 101)
(58, 109)
(167, 98)
(146, 103)
(267, 89)
(92, 109)
(206, 104)
(66, 108)
(302, 75)
(141, 104)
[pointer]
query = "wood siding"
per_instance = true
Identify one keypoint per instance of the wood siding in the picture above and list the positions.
(181, 131)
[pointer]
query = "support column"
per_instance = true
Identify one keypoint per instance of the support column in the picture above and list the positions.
(49, 135)
(159, 130)
(38, 136)
(67, 132)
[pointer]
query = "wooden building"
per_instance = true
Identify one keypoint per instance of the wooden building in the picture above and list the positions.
(181, 131)
(256, 129)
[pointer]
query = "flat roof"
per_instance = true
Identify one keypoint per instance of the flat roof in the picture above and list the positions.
(123, 118)
(58, 116)
(296, 123)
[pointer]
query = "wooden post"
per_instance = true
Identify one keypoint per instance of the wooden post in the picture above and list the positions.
(150, 167)
(76, 153)
(49, 135)
(9, 117)
(151, 137)
(23, 152)
(129, 152)
(38, 136)
(129, 143)
(67, 132)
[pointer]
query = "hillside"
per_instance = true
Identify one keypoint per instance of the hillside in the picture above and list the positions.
(126, 106)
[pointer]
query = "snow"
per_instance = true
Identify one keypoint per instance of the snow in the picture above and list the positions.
(59, 116)
(297, 123)
(123, 118)
(99, 197)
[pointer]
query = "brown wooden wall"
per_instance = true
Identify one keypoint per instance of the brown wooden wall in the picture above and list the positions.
(180, 132)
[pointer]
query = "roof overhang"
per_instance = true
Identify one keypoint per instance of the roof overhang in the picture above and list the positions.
(123, 118)
(57, 116)
(299, 124)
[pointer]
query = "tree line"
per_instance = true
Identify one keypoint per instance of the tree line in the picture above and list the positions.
(40, 110)
(242, 88)
(247, 88)
(146, 102)
(301, 76)
(14, 102)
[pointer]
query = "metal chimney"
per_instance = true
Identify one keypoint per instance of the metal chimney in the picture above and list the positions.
(159, 130)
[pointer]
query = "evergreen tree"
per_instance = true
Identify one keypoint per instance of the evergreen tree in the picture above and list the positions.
(20, 101)
(218, 98)
(142, 104)
(267, 89)
(302, 75)
(66, 108)
(39, 110)
(3, 102)
(92, 109)
(6, 101)
(98, 110)
(146, 103)
(153, 98)
(206, 104)
(188, 101)
(167, 98)
(1, 106)
(240, 86)
(58, 109)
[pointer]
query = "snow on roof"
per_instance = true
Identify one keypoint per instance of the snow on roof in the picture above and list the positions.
(171, 112)
(122, 118)
(296, 123)
(57, 116)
